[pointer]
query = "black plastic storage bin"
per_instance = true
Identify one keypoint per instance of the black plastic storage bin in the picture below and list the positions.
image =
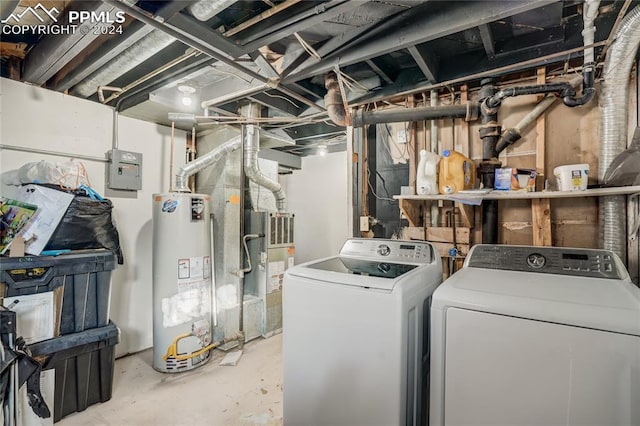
(85, 276)
(84, 365)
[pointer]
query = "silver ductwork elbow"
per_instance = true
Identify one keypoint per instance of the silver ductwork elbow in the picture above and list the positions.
(613, 103)
(209, 159)
(251, 169)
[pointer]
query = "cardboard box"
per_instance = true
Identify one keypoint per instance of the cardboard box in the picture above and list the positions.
(513, 179)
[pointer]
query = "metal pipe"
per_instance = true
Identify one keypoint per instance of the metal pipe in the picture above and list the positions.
(212, 272)
(206, 160)
(145, 17)
(171, 154)
(243, 271)
(264, 15)
(55, 153)
(614, 102)
(251, 148)
(469, 111)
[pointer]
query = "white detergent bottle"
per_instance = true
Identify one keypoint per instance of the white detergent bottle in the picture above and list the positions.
(426, 178)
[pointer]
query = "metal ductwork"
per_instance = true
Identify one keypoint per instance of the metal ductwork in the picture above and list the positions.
(333, 100)
(209, 159)
(613, 102)
(207, 9)
(143, 49)
(139, 52)
(251, 148)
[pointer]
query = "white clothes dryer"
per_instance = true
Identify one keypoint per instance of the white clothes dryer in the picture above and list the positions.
(355, 330)
(536, 336)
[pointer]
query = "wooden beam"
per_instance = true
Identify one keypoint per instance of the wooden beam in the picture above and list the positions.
(541, 208)
(466, 214)
(13, 50)
(438, 234)
(487, 40)
(412, 211)
(541, 215)
(426, 60)
(379, 71)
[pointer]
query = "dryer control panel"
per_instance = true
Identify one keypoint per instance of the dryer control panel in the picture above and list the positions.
(390, 251)
(548, 260)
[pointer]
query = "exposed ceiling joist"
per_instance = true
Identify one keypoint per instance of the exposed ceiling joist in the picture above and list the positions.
(378, 70)
(456, 17)
(105, 53)
(199, 32)
(487, 40)
(53, 52)
(426, 60)
(309, 18)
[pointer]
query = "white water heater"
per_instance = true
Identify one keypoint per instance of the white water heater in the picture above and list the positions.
(182, 281)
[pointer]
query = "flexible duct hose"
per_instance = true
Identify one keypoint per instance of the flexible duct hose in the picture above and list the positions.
(613, 102)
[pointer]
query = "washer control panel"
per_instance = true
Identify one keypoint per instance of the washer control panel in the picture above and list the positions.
(389, 250)
(550, 260)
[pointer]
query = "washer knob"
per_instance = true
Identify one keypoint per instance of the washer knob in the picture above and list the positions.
(384, 250)
(536, 260)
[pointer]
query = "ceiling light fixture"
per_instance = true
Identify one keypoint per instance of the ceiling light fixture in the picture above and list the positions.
(186, 91)
(322, 150)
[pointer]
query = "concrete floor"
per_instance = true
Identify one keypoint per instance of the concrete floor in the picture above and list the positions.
(248, 394)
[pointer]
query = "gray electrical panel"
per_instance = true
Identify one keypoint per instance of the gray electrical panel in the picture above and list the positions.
(124, 170)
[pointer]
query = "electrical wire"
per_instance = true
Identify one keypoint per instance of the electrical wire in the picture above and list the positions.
(282, 97)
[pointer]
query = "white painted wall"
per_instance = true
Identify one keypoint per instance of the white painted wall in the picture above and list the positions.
(42, 119)
(317, 195)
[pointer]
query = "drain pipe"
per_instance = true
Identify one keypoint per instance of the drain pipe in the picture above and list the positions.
(251, 148)
(514, 134)
(335, 107)
(489, 133)
(209, 159)
(613, 102)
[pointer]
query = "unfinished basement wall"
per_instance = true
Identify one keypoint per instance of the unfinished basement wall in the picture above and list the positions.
(572, 135)
(36, 118)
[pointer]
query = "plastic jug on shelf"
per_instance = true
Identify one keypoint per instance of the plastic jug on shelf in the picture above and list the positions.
(457, 172)
(426, 176)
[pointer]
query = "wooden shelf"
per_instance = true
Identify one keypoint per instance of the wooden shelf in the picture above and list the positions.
(519, 195)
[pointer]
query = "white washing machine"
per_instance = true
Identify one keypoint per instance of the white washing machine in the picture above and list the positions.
(536, 336)
(356, 344)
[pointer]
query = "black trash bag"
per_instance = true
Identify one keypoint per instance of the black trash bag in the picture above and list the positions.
(87, 224)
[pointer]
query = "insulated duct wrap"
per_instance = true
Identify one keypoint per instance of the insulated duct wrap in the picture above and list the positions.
(210, 158)
(251, 169)
(136, 54)
(143, 49)
(613, 103)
